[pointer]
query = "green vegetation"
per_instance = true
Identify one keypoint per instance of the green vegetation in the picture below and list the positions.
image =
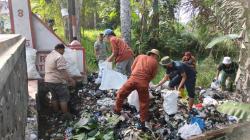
(154, 25)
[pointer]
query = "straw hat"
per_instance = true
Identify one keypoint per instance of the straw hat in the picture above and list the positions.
(165, 60)
(154, 51)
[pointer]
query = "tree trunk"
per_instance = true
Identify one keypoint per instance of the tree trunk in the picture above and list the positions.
(63, 5)
(78, 7)
(144, 15)
(70, 9)
(154, 27)
(243, 75)
(126, 20)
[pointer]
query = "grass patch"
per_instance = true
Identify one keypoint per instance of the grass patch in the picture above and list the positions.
(206, 72)
(90, 36)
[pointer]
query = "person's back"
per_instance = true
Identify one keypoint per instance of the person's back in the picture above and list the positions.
(183, 67)
(121, 49)
(144, 68)
(53, 63)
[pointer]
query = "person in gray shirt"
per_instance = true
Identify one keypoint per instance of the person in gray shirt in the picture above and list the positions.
(101, 49)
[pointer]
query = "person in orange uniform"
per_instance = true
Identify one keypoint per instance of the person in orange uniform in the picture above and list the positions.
(144, 70)
(121, 52)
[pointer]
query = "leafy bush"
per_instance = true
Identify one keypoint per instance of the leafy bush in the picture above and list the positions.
(206, 72)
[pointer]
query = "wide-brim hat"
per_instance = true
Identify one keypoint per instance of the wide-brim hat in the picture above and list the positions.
(227, 60)
(165, 61)
(154, 51)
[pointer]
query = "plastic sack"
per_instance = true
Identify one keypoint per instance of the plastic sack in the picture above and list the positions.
(209, 101)
(133, 99)
(112, 80)
(170, 101)
(71, 58)
(31, 63)
(189, 130)
(102, 66)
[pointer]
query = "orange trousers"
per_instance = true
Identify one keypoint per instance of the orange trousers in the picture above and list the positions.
(142, 89)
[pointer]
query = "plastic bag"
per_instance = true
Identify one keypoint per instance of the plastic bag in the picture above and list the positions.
(112, 80)
(102, 66)
(170, 101)
(215, 84)
(31, 63)
(199, 121)
(189, 130)
(209, 101)
(71, 58)
(133, 99)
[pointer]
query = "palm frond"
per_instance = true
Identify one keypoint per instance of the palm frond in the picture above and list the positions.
(221, 39)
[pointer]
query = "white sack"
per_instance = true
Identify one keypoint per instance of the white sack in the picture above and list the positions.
(112, 80)
(170, 101)
(31, 63)
(189, 130)
(71, 58)
(102, 66)
(133, 99)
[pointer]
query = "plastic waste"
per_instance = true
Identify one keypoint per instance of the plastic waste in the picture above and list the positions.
(105, 102)
(68, 133)
(199, 121)
(215, 84)
(170, 101)
(209, 101)
(31, 63)
(71, 58)
(189, 130)
(112, 80)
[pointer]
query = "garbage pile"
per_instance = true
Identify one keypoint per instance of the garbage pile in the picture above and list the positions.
(95, 119)
(31, 130)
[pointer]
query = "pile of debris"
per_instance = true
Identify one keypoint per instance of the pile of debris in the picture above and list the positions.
(95, 119)
(31, 130)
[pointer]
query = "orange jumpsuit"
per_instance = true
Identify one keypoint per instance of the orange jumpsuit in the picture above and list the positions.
(144, 70)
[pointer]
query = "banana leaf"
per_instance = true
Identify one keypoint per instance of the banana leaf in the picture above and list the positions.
(240, 110)
(221, 39)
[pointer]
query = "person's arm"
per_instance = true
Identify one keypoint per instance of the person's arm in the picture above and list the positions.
(111, 57)
(183, 79)
(61, 66)
(163, 80)
(114, 52)
(218, 71)
(134, 63)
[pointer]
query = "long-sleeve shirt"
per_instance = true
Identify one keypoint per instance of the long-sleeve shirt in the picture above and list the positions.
(144, 68)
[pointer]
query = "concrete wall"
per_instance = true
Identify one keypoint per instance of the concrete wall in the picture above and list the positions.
(13, 87)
